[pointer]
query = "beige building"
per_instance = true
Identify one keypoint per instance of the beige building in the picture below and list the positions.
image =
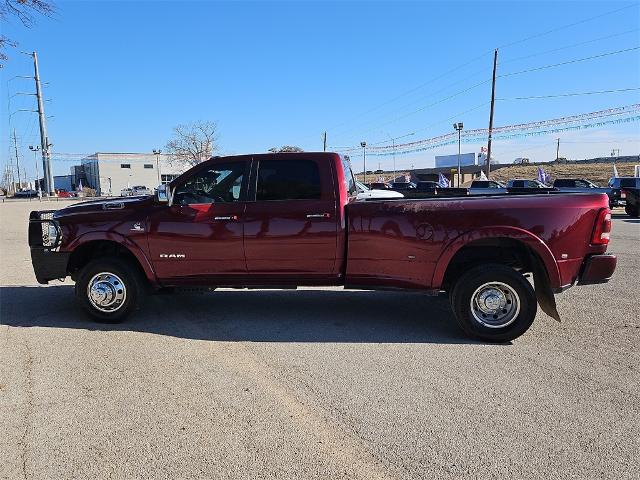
(110, 173)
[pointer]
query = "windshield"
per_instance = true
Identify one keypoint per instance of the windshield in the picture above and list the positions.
(362, 187)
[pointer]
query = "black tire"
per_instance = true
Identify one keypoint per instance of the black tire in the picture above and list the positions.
(119, 273)
(631, 210)
(517, 303)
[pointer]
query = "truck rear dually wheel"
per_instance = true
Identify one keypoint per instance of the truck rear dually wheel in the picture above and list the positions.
(493, 302)
(109, 289)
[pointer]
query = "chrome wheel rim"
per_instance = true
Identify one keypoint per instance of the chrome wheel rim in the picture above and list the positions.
(495, 305)
(106, 292)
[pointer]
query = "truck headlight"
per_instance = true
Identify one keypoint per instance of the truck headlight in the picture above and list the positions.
(50, 235)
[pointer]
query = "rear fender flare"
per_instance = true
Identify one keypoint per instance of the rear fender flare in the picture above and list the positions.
(529, 239)
(126, 242)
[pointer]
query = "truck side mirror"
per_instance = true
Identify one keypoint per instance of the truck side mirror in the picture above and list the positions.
(163, 194)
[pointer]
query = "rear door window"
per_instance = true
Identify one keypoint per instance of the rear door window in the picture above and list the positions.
(288, 180)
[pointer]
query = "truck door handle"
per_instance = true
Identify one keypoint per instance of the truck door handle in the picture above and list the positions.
(318, 215)
(232, 218)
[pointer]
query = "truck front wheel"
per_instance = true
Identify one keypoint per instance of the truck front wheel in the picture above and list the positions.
(109, 289)
(494, 303)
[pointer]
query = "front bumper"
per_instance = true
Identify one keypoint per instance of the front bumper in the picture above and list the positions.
(597, 269)
(48, 264)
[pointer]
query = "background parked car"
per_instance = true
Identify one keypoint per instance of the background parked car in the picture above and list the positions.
(366, 193)
(425, 186)
(399, 186)
(633, 201)
(487, 187)
(26, 194)
(617, 184)
(379, 186)
(582, 185)
(136, 190)
(524, 183)
(62, 193)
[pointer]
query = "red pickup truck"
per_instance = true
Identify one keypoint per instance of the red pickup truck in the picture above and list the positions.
(292, 219)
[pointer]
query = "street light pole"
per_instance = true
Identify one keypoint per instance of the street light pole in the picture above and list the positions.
(458, 127)
(157, 154)
(364, 160)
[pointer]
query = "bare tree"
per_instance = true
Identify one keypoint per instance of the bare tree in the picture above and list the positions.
(193, 142)
(286, 148)
(25, 11)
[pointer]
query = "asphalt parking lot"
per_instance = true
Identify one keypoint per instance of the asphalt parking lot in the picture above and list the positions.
(319, 383)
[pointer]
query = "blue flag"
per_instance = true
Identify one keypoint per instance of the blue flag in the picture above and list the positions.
(543, 176)
(442, 181)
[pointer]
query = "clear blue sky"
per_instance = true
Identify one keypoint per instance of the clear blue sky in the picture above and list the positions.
(122, 74)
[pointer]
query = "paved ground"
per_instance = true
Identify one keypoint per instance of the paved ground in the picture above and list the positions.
(314, 384)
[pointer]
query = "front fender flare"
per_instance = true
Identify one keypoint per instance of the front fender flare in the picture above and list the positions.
(126, 242)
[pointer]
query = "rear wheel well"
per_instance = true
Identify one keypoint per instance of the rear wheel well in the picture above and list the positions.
(82, 255)
(504, 251)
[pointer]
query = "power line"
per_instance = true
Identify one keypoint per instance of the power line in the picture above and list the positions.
(420, 99)
(592, 57)
(421, 109)
(573, 94)
(503, 62)
(516, 42)
(562, 27)
(407, 92)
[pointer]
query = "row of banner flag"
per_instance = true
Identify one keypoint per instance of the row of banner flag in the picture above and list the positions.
(611, 116)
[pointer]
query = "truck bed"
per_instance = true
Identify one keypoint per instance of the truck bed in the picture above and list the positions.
(409, 241)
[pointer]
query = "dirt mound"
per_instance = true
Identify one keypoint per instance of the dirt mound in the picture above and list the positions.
(599, 173)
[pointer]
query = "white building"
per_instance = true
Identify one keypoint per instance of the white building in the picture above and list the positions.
(110, 173)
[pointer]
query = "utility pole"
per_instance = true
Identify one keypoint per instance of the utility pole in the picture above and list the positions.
(44, 139)
(393, 141)
(15, 147)
(493, 100)
(8, 178)
(558, 149)
(364, 160)
(157, 154)
(324, 142)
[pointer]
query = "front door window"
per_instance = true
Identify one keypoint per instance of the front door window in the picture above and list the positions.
(219, 183)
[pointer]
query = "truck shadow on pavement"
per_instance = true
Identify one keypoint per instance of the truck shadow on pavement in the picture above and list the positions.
(252, 316)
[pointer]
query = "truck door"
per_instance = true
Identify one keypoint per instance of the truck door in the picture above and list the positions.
(199, 238)
(291, 227)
